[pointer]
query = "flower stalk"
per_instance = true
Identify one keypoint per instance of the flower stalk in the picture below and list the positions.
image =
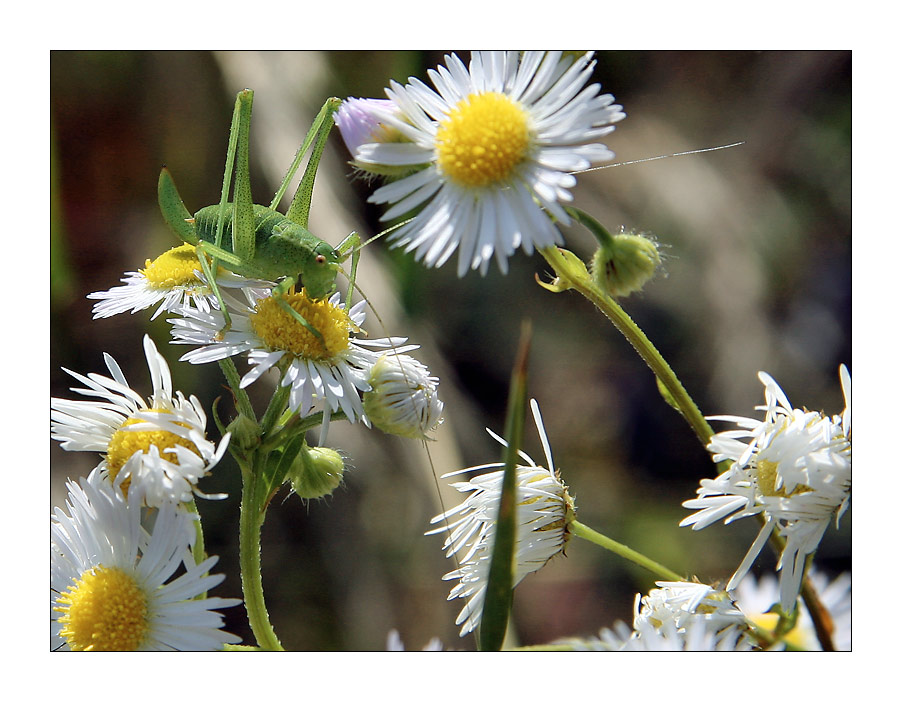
(253, 512)
(572, 274)
(579, 529)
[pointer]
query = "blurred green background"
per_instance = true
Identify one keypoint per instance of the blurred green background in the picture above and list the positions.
(757, 276)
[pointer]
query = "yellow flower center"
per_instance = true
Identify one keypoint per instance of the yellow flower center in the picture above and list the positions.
(281, 331)
(104, 610)
(124, 443)
(172, 269)
(482, 140)
(797, 636)
(766, 472)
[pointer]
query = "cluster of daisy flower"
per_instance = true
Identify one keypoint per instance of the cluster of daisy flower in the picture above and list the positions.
(128, 530)
(678, 615)
(134, 523)
(329, 373)
(120, 581)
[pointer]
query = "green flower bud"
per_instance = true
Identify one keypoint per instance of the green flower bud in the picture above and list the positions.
(625, 263)
(245, 433)
(316, 472)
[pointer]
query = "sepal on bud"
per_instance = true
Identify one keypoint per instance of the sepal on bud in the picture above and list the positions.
(245, 433)
(316, 472)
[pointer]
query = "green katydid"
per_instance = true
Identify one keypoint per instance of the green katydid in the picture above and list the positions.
(258, 241)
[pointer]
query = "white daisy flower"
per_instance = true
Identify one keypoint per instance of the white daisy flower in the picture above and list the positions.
(544, 511)
(172, 279)
(113, 584)
(756, 599)
(157, 447)
(404, 397)
(494, 146)
(795, 467)
(327, 372)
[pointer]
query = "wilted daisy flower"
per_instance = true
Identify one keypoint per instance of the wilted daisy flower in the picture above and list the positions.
(544, 511)
(404, 397)
(756, 599)
(113, 584)
(683, 602)
(494, 146)
(157, 447)
(795, 467)
(326, 372)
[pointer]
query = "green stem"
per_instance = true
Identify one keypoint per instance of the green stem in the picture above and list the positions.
(241, 399)
(275, 409)
(575, 276)
(581, 530)
(250, 526)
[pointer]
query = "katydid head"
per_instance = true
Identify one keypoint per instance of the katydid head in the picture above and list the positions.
(321, 270)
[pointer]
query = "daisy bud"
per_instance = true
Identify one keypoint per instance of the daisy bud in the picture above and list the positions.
(245, 432)
(404, 397)
(625, 263)
(316, 472)
(361, 121)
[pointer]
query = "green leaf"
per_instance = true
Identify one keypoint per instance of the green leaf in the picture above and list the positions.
(499, 589)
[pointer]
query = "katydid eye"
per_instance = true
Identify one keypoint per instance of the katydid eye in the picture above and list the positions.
(320, 258)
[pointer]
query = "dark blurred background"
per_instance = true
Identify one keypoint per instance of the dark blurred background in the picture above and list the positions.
(757, 276)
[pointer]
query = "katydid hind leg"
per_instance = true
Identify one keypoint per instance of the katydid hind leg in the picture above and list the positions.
(328, 109)
(229, 167)
(299, 210)
(243, 225)
(239, 127)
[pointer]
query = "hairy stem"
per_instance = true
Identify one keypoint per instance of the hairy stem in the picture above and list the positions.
(250, 526)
